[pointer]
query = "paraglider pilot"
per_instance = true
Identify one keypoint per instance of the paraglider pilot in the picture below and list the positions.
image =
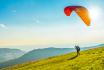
(78, 50)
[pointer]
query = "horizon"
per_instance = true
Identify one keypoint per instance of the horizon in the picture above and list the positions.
(28, 48)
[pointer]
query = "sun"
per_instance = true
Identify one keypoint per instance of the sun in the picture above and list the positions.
(94, 13)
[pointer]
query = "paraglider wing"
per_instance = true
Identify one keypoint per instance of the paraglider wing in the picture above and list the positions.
(84, 15)
(68, 10)
(81, 11)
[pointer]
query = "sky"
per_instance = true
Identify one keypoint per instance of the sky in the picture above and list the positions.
(29, 24)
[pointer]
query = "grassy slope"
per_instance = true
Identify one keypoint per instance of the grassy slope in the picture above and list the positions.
(92, 59)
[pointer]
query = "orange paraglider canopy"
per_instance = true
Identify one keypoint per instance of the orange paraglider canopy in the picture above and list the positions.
(81, 11)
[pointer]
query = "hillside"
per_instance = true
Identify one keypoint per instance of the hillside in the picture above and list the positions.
(37, 54)
(92, 59)
(7, 54)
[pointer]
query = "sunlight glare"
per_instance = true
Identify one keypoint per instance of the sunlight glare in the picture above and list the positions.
(94, 13)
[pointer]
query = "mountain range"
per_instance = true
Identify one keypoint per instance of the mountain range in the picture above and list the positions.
(38, 54)
(91, 59)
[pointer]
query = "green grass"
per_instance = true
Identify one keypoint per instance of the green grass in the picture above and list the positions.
(92, 59)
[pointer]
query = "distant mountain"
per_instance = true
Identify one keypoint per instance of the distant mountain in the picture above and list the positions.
(37, 54)
(90, 47)
(99, 45)
(44, 53)
(7, 54)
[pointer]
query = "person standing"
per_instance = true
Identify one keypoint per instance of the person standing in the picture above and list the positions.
(78, 50)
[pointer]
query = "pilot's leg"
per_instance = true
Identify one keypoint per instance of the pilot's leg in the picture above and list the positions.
(77, 52)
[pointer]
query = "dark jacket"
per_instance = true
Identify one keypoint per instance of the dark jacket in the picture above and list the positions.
(77, 48)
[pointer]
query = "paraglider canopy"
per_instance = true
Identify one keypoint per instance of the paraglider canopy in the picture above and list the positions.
(81, 11)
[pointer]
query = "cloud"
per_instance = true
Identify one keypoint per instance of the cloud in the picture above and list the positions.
(36, 20)
(3, 26)
(14, 11)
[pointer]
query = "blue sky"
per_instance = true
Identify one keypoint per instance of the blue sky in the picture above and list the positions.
(43, 22)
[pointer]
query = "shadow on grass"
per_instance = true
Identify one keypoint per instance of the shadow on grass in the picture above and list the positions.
(73, 57)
